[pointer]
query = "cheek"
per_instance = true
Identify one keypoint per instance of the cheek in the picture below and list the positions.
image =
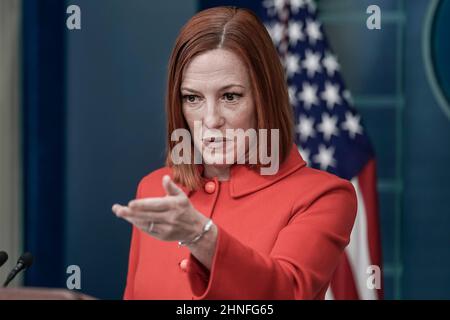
(244, 118)
(187, 115)
(190, 116)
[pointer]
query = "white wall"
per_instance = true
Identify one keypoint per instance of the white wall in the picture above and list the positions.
(10, 162)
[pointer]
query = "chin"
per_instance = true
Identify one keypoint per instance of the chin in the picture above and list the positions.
(218, 160)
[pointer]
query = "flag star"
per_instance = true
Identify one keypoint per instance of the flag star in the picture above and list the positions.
(309, 95)
(325, 157)
(276, 32)
(330, 63)
(312, 62)
(352, 124)
(331, 94)
(311, 5)
(305, 153)
(274, 6)
(313, 31)
(296, 5)
(292, 64)
(292, 90)
(328, 126)
(295, 32)
(305, 127)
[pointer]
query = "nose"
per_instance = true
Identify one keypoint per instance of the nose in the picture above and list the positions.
(213, 118)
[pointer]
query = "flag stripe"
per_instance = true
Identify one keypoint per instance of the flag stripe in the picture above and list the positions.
(358, 249)
(343, 285)
(367, 184)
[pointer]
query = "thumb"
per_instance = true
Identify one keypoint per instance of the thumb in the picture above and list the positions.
(170, 187)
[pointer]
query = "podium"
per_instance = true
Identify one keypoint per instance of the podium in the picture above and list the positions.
(41, 294)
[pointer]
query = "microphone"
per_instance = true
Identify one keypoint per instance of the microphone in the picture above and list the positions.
(3, 257)
(25, 261)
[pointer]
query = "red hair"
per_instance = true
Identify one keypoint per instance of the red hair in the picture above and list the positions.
(241, 32)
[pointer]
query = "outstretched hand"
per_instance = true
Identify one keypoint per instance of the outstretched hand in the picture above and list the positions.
(168, 218)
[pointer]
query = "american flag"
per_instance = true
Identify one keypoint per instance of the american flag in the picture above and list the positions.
(329, 133)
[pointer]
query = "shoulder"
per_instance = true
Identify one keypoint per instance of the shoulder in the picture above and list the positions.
(320, 189)
(318, 180)
(151, 184)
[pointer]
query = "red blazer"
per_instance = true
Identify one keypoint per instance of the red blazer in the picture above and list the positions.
(279, 237)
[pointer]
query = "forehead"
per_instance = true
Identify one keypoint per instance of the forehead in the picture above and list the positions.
(216, 67)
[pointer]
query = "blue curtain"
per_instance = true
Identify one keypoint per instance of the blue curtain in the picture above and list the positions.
(43, 110)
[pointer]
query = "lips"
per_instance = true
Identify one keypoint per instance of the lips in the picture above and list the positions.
(214, 142)
(214, 139)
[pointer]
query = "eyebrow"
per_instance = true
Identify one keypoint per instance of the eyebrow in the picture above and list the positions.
(221, 89)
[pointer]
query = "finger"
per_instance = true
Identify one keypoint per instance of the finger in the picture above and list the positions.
(126, 212)
(171, 188)
(138, 220)
(140, 224)
(152, 204)
(145, 215)
(123, 212)
(118, 209)
(146, 225)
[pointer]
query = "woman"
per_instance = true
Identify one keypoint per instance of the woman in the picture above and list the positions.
(222, 229)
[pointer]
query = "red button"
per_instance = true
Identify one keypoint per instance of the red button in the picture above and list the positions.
(210, 187)
(183, 264)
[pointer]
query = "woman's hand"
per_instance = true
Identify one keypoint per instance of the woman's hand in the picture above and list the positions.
(173, 216)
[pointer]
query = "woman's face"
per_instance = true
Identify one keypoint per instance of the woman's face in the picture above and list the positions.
(216, 96)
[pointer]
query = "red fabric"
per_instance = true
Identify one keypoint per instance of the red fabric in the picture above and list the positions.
(279, 237)
(368, 185)
(343, 283)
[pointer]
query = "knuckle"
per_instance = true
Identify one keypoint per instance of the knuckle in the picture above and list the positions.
(172, 219)
(182, 202)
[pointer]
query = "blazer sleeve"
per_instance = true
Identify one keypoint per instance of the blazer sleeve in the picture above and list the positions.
(301, 263)
(133, 257)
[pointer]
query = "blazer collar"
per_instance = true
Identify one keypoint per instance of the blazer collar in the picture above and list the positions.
(245, 180)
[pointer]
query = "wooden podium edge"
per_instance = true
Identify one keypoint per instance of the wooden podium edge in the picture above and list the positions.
(41, 294)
